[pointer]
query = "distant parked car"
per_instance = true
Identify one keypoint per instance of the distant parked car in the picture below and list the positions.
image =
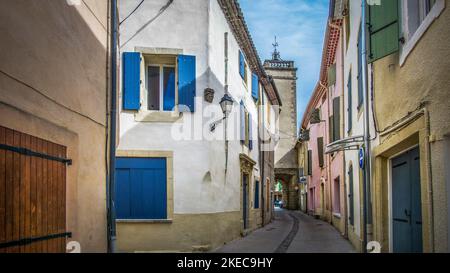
(278, 203)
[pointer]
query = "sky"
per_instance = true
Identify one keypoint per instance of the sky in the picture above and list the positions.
(299, 26)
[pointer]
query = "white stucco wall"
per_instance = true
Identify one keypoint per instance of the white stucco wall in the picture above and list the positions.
(351, 65)
(197, 28)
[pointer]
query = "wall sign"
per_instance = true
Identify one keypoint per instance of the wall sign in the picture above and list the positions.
(361, 157)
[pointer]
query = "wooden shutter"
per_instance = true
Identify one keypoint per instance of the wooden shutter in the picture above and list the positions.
(256, 205)
(309, 162)
(241, 65)
(331, 128)
(336, 119)
(141, 188)
(383, 29)
(349, 102)
(32, 194)
(360, 64)
(186, 83)
(320, 151)
(351, 196)
(332, 75)
(255, 86)
(131, 80)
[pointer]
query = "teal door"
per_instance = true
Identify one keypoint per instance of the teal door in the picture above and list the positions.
(244, 201)
(406, 203)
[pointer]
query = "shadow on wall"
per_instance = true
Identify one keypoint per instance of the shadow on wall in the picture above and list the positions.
(53, 35)
(53, 66)
(187, 126)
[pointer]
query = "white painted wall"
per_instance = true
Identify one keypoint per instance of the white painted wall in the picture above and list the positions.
(196, 27)
(351, 64)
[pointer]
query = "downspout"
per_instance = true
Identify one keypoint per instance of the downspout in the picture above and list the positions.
(330, 179)
(367, 156)
(262, 162)
(429, 177)
(342, 122)
(111, 232)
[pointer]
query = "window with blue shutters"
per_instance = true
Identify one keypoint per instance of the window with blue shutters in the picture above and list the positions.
(141, 188)
(157, 75)
(246, 130)
(256, 206)
(186, 83)
(255, 86)
(242, 67)
(131, 80)
(242, 124)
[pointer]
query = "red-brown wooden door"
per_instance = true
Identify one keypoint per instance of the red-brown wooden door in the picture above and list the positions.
(32, 194)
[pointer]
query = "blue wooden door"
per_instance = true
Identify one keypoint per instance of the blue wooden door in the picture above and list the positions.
(141, 188)
(244, 199)
(406, 203)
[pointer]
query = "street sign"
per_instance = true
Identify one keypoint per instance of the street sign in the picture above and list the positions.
(361, 157)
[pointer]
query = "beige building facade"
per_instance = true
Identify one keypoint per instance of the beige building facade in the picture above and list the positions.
(54, 100)
(415, 77)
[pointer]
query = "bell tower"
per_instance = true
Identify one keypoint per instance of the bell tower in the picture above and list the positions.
(284, 74)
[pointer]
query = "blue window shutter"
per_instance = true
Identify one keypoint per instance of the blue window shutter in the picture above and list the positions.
(241, 65)
(169, 89)
(141, 188)
(255, 86)
(131, 80)
(250, 132)
(242, 123)
(186, 83)
(256, 195)
(123, 194)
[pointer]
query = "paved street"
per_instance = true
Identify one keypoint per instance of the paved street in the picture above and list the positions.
(291, 232)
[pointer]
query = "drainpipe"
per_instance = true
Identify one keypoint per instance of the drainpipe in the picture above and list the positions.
(262, 162)
(367, 156)
(342, 122)
(330, 179)
(429, 177)
(111, 232)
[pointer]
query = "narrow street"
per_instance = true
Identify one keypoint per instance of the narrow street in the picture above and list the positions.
(291, 232)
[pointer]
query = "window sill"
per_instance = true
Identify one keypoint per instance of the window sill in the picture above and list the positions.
(157, 116)
(435, 12)
(145, 221)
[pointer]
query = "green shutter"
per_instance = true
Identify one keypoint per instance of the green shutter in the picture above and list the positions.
(383, 29)
(336, 119)
(331, 128)
(332, 75)
(309, 162)
(320, 151)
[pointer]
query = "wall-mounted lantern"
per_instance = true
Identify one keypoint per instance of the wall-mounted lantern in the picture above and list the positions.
(226, 103)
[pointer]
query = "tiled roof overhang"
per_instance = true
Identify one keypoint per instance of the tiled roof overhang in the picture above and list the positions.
(332, 37)
(236, 21)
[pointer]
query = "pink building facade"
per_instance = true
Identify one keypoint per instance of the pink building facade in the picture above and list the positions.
(323, 124)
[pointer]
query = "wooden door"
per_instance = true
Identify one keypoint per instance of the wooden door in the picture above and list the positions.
(32, 194)
(406, 203)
